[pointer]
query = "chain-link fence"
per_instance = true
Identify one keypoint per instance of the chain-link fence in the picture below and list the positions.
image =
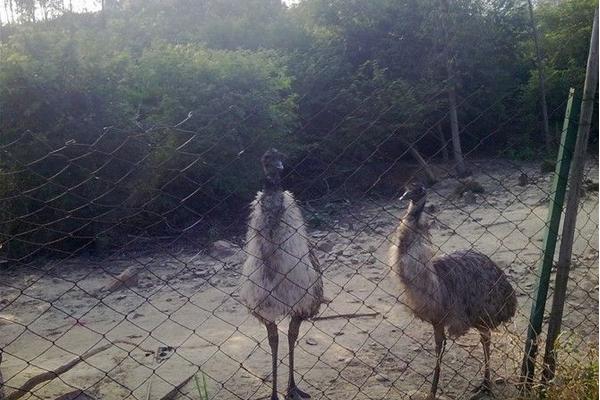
(113, 286)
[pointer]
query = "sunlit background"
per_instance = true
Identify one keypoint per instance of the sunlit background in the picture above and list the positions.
(56, 7)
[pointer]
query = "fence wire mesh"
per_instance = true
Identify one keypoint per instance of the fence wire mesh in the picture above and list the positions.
(115, 288)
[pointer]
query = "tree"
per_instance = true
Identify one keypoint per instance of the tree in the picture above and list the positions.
(447, 23)
(542, 78)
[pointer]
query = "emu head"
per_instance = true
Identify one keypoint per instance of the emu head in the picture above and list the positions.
(272, 163)
(414, 192)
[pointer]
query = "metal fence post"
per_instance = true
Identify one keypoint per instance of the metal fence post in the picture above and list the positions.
(559, 185)
(572, 205)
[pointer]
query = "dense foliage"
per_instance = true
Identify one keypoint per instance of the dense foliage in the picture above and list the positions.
(148, 117)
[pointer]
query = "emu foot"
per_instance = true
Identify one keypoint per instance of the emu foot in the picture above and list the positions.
(484, 390)
(296, 394)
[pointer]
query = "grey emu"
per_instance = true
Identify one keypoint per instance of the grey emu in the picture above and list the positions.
(281, 274)
(456, 292)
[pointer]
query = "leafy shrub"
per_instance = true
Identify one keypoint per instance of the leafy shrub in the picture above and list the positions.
(70, 181)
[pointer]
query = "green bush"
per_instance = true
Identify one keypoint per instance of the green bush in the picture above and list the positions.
(71, 181)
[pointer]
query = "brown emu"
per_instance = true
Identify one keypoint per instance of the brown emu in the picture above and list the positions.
(456, 292)
(281, 276)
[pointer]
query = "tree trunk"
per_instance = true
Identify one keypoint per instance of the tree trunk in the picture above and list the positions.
(542, 80)
(456, 147)
(431, 178)
(443, 144)
(12, 11)
(461, 170)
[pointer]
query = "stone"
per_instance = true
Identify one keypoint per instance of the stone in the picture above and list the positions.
(223, 249)
(325, 245)
(469, 198)
(128, 278)
(523, 179)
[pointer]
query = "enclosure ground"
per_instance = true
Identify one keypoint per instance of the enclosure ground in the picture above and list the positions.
(50, 311)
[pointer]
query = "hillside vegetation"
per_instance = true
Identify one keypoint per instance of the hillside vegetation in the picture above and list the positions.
(148, 117)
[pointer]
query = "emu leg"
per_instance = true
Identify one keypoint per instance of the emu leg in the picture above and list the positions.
(293, 393)
(486, 385)
(440, 344)
(273, 342)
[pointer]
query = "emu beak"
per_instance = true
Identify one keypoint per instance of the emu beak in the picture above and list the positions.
(279, 165)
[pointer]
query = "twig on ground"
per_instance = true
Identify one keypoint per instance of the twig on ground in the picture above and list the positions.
(177, 389)
(49, 375)
(2, 394)
(351, 315)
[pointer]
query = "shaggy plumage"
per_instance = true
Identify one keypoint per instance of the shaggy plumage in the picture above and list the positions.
(281, 276)
(456, 292)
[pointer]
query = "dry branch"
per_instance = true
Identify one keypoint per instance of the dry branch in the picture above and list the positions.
(49, 375)
(177, 389)
(351, 315)
(2, 394)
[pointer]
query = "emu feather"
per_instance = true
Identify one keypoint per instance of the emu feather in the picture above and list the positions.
(287, 283)
(281, 275)
(455, 292)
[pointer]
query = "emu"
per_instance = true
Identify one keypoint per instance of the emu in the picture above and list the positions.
(457, 292)
(281, 275)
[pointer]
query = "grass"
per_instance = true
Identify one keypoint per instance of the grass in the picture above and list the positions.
(201, 388)
(576, 375)
(576, 379)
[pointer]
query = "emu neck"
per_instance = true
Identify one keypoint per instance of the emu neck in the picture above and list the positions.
(412, 260)
(413, 244)
(272, 183)
(415, 210)
(272, 203)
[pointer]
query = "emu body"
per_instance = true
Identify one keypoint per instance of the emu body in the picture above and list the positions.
(281, 279)
(455, 292)
(281, 276)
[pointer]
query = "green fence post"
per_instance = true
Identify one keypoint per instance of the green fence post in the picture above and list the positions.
(572, 205)
(559, 185)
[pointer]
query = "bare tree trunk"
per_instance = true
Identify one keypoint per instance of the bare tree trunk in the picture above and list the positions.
(12, 11)
(431, 178)
(456, 147)
(542, 79)
(443, 144)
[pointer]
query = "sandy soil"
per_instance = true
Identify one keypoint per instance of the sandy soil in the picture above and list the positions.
(187, 300)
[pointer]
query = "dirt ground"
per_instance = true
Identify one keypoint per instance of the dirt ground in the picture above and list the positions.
(186, 301)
